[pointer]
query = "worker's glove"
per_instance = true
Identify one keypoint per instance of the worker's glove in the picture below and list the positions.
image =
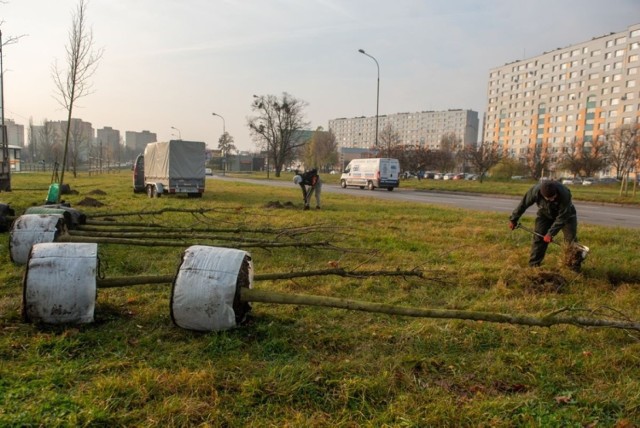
(512, 225)
(548, 238)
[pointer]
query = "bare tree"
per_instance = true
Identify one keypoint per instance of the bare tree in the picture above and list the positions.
(582, 158)
(412, 157)
(572, 159)
(277, 127)
(389, 138)
(594, 158)
(322, 150)
(81, 63)
(622, 144)
(50, 148)
(79, 142)
(226, 146)
(482, 156)
(538, 159)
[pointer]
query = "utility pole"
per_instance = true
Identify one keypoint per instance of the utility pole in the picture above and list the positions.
(5, 165)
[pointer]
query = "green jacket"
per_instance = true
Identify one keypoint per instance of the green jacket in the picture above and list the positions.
(561, 210)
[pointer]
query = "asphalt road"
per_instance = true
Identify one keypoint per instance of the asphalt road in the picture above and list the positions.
(611, 215)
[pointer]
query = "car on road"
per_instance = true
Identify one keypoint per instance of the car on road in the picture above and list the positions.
(588, 181)
(608, 180)
(570, 181)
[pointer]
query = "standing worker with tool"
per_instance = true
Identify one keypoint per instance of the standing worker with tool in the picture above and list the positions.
(310, 183)
(555, 213)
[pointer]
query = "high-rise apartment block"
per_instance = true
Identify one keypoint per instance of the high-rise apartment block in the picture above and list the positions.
(137, 141)
(15, 133)
(574, 94)
(108, 139)
(424, 129)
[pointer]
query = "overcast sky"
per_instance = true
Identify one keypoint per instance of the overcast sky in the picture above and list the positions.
(171, 63)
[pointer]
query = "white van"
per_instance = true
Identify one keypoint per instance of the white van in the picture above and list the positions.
(372, 173)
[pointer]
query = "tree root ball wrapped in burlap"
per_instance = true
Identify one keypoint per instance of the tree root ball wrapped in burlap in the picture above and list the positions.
(205, 295)
(59, 285)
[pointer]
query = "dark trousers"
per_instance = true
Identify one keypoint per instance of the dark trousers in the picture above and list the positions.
(539, 247)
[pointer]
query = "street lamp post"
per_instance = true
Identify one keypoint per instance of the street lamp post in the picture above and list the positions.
(377, 92)
(179, 133)
(224, 133)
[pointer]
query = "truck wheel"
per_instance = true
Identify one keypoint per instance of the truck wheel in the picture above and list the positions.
(370, 185)
(343, 184)
(390, 189)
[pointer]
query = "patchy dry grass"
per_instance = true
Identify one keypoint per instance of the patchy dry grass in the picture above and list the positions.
(305, 366)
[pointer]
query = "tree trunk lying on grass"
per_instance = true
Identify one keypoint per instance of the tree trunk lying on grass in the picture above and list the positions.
(152, 235)
(161, 243)
(168, 279)
(253, 295)
(102, 226)
(265, 296)
(154, 212)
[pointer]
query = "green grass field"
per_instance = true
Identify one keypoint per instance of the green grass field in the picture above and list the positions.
(307, 366)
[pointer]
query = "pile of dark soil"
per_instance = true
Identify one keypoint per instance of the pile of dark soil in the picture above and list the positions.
(90, 202)
(278, 204)
(97, 192)
(546, 282)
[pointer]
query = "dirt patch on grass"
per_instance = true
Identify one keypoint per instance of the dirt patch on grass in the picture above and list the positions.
(278, 204)
(90, 202)
(616, 278)
(545, 282)
(97, 192)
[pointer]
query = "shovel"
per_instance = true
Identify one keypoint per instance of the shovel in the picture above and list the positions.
(582, 249)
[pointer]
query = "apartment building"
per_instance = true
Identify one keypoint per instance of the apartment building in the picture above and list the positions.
(137, 141)
(424, 129)
(576, 93)
(108, 139)
(15, 133)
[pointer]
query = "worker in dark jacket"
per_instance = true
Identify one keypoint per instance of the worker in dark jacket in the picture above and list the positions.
(310, 183)
(555, 213)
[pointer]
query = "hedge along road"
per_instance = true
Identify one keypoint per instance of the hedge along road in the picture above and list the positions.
(611, 215)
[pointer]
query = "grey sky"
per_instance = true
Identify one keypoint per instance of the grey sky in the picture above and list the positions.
(171, 63)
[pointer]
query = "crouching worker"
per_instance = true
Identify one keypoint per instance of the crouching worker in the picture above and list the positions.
(310, 183)
(555, 213)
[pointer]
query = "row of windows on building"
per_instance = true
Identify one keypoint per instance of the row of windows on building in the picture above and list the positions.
(619, 41)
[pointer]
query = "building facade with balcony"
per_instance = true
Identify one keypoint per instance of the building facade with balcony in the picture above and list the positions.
(424, 129)
(578, 93)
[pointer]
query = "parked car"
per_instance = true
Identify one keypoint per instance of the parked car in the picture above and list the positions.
(459, 176)
(438, 176)
(571, 181)
(471, 176)
(448, 176)
(608, 180)
(588, 181)
(429, 174)
(208, 171)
